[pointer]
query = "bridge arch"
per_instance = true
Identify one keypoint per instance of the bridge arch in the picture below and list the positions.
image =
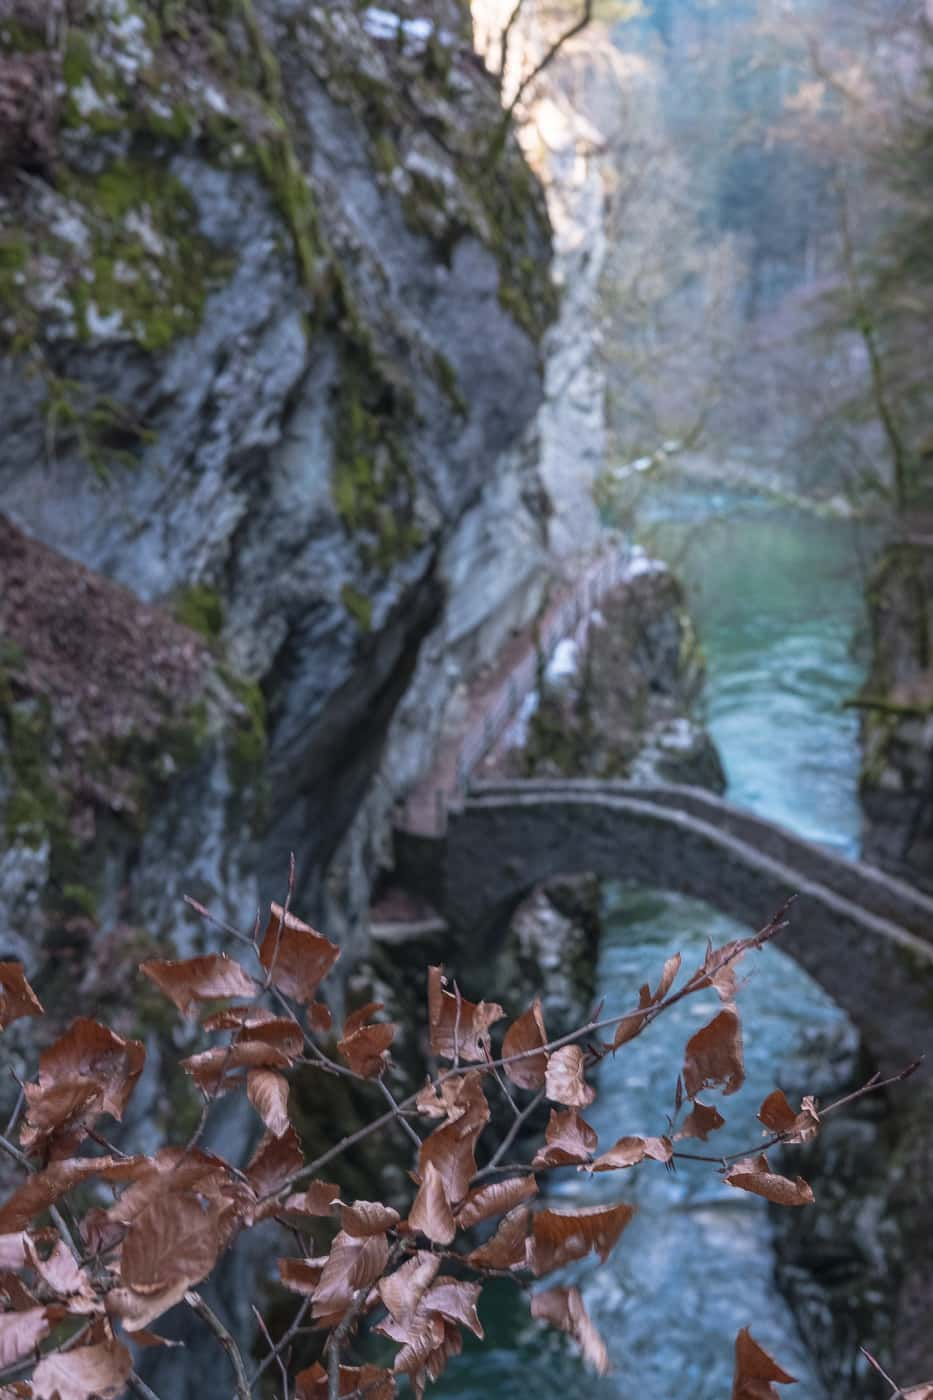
(866, 938)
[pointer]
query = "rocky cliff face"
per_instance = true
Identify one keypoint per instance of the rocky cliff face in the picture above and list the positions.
(897, 716)
(272, 327)
(621, 700)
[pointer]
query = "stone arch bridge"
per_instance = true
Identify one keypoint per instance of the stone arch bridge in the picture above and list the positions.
(864, 936)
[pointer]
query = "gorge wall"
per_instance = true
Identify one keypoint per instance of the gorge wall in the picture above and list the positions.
(275, 361)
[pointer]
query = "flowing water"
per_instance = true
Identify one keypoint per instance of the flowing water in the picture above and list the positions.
(776, 597)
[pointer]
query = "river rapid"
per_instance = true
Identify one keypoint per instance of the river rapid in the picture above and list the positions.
(776, 598)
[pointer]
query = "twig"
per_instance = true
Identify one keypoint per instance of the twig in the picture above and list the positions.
(896, 1389)
(17, 1110)
(284, 1340)
(283, 920)
(871, 1087)
(206, 1314)
(274, 1351)
(139, 1387)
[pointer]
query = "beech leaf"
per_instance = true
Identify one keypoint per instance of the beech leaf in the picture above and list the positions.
(365, 1047)
(370, 1381)
(353, 1263)
(367, 1218)
(20, 1333)
(88, 1071)
(267, 1091)
(190, 980)
(16, 996)
(754, 1175)
(302, 1275)
(44, 1188)
(564, 1080)
(174, 1239)
(431, 1213)
(296, 957)
(524, 1034)
(490, 1200)
(402, 1291)
(778, 1116)
(101, 1370)
(569, 1141)
(714, 1056)
(702, 1120)
(755, 1369)
(559, 1237)
(563, 1308)
(508, 1247)
(629, 1151)
(458, 1030)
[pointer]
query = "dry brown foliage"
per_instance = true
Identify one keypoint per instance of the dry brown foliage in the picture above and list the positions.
(79, 1290)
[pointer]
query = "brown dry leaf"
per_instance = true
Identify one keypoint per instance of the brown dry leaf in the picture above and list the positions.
(367, 1218)
(452, 1146)
(647, 1000)
(62, 1274)
(564, 1080)
(236, 1018)
(13, 1250)
(569, 1141)
(214, 1071)
(319, 1199)
(524, 1034)
(297, 957)
(16, 996)
(755, 1370)
(175, 1238)
(353, 1263)
(778, 1116)
(276, 1159)
(700, 1122)
(190, 980)
(563, 1308)
(714, 1056)
(170, 1169)
(101, 1371)
(402, 1291)
(302, 1275)
(428, 1343)
(753, 1174)
(458, 1030)
(559, 1237)
(776, 1113)
(88, 1071)
(499, 1196)
(629, 1151)
(456, 1301)
(508, 1247)
(44, 1188)
(281, 1032)
(144, 1338)
(431, 1213)
(719, 966)
(365, 1047)
(452, 1098)
(370, 1381)
(20, 1333)
(319, 1017)
(267, 1091)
